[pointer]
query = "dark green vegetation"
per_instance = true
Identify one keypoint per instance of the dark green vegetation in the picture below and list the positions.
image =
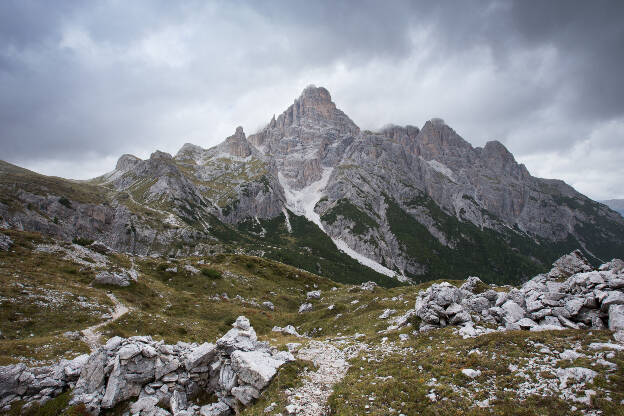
(212, 273)
(601, 236)
(500, 258)
(361, 221)
(309, 248)
(598, 231)
(82, 241)
(54, 407)
(306, 247)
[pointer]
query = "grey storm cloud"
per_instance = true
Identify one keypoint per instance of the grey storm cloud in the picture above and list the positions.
(83, 82)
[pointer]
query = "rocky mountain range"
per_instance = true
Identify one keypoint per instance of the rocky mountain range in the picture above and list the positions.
(615, 204)
(313, 190)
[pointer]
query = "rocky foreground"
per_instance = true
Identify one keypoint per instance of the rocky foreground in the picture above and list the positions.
(419, 345)
(157, 375)
(571, 295)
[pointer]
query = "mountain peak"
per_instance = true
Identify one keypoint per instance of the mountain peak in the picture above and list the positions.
(496, 147)
(314, 110)
(126, 162)
(497, 157)
(237, 144)
(438, 140)
(158, 154)
(314, 92)
(315, 100)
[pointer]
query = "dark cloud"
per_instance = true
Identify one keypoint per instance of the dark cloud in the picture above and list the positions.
(83, 82)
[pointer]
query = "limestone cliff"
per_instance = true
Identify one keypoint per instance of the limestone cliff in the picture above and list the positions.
(407, 202)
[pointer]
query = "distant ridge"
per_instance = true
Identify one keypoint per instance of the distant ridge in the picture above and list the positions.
(615, 204)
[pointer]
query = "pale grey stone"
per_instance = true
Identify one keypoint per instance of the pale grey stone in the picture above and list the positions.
(238, 339)
(577, 374)
(368, 286)
(245, 394)
(128, 351)
(165, 365)
(117, 278)
(113, 343)
(512, 312)
(387, 313)
(469, 372)
(255, 368)
(5, 242)
(227, 378)
(314, 294)
(145, 404)
(471, 283)
(288, 330)
(526, 323)
(215, 409)
(178, 403)
(305, 307)
(616, 317)
(570, 264)
(612, 298)
(114, 386)
(574, 305)
(200, 355)
(92, 374)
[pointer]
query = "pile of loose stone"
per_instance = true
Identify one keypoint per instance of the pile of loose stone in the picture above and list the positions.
(5, 242)
(164, 378)
(571, 295)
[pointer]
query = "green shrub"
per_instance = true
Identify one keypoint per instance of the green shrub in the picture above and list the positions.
(65, 202)
(81, 241)
(211, 273)
(69, 269)
(53, 407)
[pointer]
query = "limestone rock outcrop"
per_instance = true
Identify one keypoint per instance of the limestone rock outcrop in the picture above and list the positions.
(155, 375)
(5, 242)
(571, 295)
(121, 277)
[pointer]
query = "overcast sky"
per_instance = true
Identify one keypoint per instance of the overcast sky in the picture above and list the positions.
(82, 83)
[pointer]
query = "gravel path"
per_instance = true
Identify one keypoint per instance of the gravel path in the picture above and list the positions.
(332, 364)
(91, 335)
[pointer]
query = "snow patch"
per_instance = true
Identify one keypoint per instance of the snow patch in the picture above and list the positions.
(263, 232)
(365, 260)
(303, 201)
(288, 226)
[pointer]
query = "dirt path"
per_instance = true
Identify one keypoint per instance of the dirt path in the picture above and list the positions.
(91, 335)
(332, 365)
